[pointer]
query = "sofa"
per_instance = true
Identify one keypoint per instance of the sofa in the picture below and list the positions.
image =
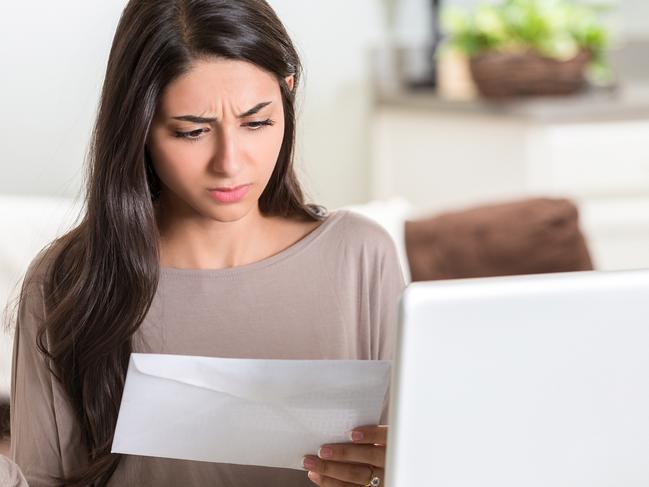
(28, 224)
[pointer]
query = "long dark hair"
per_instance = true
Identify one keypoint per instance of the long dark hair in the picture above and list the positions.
(104, 273)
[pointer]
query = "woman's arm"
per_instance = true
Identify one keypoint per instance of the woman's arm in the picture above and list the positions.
(363, 461)
(42, 429)
(386, 299)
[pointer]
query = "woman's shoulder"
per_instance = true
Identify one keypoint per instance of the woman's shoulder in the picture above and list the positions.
(31, 301)
(360, 232)
(39, 268)
(366, 246)
(361, 225)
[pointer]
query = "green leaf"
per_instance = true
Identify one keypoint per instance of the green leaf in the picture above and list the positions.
(554, 28)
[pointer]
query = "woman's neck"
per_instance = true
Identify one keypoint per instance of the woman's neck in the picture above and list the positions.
(189, 240)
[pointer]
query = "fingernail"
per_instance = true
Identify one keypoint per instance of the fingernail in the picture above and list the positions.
(325, 452)
(314, 477)
(356, 435)
(308, 463)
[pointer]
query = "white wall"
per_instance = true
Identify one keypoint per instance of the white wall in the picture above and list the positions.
(333, 37)
(634, 18)
(53, 57)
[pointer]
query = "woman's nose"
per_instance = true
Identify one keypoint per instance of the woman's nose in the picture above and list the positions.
(225, 160)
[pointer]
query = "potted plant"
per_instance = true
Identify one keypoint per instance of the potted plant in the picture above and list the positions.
(529, 47)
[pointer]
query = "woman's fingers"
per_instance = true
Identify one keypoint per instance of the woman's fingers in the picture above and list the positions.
(318, 479)
(371, 435)
(351, 453)
(348, 464)
(345, 472)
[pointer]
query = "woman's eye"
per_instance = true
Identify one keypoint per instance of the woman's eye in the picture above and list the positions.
(191, 135)
(260, 124)
(197, 134)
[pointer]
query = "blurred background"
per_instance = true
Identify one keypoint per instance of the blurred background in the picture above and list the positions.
(364, 134)
(487, 141)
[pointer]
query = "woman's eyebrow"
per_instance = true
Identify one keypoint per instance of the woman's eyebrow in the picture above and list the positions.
(254, 109)
(197, 119)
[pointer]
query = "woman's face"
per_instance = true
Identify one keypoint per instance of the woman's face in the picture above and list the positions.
(215, 138)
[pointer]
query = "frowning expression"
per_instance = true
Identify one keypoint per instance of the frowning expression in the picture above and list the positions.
(216, 137)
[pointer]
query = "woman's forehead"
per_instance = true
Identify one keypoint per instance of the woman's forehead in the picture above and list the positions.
(218, 84)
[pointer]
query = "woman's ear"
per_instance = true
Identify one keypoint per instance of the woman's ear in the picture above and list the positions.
(290, 81)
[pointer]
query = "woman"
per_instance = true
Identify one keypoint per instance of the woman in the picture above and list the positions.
(196, 240)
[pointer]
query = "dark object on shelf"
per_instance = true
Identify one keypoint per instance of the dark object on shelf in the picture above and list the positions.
(418, 68)
(504, 75)
(428, 78)
(4, 420)
(532, 236)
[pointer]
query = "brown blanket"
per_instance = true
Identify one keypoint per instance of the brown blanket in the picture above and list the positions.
(525, 237)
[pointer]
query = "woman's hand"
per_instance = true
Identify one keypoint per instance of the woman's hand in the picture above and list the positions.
(361, 462)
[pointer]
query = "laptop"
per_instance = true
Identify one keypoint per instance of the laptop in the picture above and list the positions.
(527, 381)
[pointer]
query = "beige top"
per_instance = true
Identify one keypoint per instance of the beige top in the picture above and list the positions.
(332, 295)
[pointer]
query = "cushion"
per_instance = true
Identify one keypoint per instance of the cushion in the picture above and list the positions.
(531, 236)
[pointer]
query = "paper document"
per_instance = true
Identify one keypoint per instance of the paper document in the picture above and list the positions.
(245, 411)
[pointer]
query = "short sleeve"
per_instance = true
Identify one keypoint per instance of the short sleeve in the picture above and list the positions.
(377, 281)
(391, 287)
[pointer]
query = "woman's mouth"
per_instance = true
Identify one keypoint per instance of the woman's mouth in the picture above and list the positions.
(229, 195)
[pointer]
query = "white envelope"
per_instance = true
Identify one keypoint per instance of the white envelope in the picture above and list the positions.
(245, 411)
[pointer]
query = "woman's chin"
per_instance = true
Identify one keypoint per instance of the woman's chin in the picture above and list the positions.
(231, 212)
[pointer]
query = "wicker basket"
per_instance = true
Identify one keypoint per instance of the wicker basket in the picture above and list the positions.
(502, 75)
